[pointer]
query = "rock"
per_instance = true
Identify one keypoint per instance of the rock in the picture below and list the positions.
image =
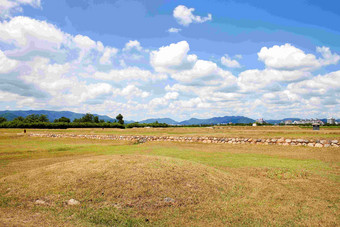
(323, 141)
(73, 202)
(288, 140)
(169, 200)
(334, 141)
(327, 145)
(318, 145)
(40, 202)
(281, 140)
(310, 144)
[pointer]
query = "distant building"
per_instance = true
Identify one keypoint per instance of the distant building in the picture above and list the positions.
(260, 121)
(288, 122)
(254, 124)
(308, 121)
(331, 121)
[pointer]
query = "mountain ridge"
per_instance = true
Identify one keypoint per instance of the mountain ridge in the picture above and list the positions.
(52, 115)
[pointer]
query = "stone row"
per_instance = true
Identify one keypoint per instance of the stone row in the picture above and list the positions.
(203, 139)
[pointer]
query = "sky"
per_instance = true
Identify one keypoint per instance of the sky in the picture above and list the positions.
(172, 58)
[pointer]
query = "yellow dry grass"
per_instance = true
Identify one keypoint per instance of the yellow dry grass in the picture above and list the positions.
(121, 184)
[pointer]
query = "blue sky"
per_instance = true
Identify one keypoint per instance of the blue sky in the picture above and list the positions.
(178, 59)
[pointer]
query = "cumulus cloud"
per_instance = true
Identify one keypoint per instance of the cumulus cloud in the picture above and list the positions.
(227, 61)
(6, 64)
(130, 73)
(268, 79)
(132, 90)
(171, 95)
(107, 55)
(288, 57)
(24, 32)
(8, 7)
(329, 58)
(172, 58)
(321, 85)
(185, 16)
(174, 30)
(205, 73)
(132, 44)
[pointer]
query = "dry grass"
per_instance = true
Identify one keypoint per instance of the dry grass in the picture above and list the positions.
(119, 183)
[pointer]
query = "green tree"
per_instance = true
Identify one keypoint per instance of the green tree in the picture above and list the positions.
(2, 119)
(32, 118)
(96, 119)
(120, 119)
(19, 118)
(62, 119)
(43, 118)
(88, 118)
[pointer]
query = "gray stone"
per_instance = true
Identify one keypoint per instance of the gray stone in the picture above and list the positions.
(318, 145)
(73, 202)
(40, 202)
(169, 200)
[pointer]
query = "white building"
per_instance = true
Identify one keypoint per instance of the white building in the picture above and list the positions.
(331, 121)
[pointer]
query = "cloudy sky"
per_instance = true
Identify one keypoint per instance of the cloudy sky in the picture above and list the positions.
(172, 58)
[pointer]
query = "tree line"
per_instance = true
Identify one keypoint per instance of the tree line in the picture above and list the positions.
(87, 121)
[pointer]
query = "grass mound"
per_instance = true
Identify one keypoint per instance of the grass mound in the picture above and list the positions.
(121, 190)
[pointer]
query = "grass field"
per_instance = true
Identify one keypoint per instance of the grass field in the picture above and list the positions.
(168, 183)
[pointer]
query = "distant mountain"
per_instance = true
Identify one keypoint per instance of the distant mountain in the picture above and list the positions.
(218, 120)
(51, 115)
(160, 120)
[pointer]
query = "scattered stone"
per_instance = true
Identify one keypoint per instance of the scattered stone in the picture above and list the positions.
(142, 139)
(73, 202)
(40, 202)
(323, 141)
(318, 145)
(169, 200)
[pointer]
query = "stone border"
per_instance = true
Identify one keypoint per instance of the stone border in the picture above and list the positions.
(202, 139)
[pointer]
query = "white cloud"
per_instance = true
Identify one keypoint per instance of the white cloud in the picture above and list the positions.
(133, 44)
(227, 61)
(288, 57)
(171, 95)
(130, 73)
(257, 80)
(321, 85)
(25, 32)
(107, 55)
(132, 90)
(84, 42)
(8, 7)
(185, 16)
(205, 73)
(172, 58)
(6, 64)
(328, 57)
(174, 30)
